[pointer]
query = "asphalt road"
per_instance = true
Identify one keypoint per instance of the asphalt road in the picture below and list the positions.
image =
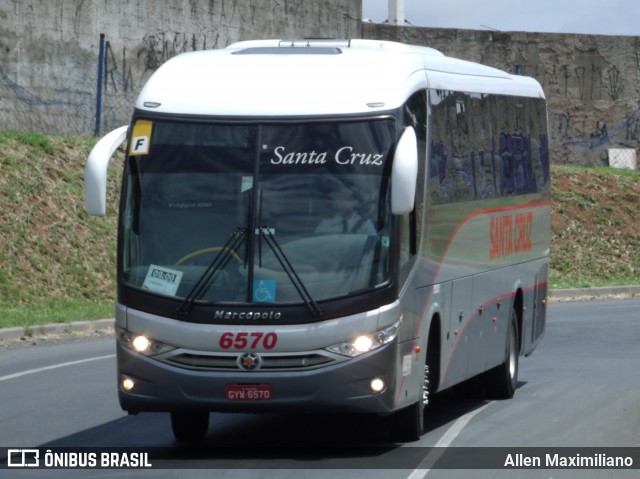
(580, 388)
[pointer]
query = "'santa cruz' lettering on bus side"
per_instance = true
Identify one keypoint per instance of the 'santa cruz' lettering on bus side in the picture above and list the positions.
(343, 156)
(510, 235)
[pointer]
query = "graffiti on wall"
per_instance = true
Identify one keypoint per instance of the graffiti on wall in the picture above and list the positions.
(154, 49)
(23, 95)
(586, 133)
(578, 90)
(117, 75)
(158, 47)
(591, 82)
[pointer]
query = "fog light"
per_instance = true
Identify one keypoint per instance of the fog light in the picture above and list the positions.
(377, 385)
(127, 383)
(140, 344)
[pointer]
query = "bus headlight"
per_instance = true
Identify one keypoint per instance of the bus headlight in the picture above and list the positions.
(141, 343)
(367, 342)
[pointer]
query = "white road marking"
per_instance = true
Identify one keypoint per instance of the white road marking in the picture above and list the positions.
(54, 366)
(445, 441)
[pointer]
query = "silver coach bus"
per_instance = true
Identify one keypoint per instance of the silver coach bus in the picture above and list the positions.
(346, 226)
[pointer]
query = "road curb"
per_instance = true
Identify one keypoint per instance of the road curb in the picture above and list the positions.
(22, 332)
(28, 332)
(600, 292)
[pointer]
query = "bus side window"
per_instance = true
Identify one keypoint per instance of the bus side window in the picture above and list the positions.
(484, 174)
(440, 181)
(464, 180)
(523, 173)
(464, 132)
(507, 186)
(539, 145)
(485, 146)
(485, 181)
(415, 116)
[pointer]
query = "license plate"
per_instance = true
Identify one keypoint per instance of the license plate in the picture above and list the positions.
(248, 392)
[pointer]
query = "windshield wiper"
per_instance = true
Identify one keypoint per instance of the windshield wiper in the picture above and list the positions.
(219, 262)
(266, 233)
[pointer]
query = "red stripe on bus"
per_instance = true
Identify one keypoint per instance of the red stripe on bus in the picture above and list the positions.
(466, 219)
(475, 315)
(536, 204)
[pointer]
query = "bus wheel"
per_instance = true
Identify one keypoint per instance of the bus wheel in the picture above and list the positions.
(189, 427)
(409, 422)
(501, 382)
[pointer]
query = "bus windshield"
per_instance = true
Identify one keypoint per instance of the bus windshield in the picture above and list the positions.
(246, 213)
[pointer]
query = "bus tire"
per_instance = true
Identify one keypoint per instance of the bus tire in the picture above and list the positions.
(501, 382)
(189, 427)
(409, 422)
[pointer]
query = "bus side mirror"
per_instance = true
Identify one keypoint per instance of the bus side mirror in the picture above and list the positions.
(95, 173)
(404, 173)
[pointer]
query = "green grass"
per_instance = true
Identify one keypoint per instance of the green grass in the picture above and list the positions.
(54, 310)
(595, 231)
(56, 261)
(588, 282)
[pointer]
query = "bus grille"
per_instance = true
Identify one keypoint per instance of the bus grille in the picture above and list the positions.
(268, 363)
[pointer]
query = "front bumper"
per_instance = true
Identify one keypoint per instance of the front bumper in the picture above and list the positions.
(341, 387)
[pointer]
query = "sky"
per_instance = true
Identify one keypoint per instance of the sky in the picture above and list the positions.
(602, 17)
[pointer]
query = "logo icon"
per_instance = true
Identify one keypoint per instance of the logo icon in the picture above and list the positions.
(23, 458)
(264, 290)
(249, 361)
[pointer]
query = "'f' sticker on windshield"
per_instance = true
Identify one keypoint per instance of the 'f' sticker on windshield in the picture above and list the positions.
(141, 138)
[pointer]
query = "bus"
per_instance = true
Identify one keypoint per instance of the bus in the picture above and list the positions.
(326, 225)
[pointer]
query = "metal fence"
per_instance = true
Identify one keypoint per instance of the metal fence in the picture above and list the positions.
(81, 93)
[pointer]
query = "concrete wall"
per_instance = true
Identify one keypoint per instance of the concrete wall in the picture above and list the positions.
(49, 60)
(592, 82)
(49, 49)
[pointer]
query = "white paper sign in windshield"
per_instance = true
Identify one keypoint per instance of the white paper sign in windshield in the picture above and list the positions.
(162, 280)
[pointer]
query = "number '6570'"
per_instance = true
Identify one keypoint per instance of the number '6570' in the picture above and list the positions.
(246, 340)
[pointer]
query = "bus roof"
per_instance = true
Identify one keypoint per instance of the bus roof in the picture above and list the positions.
(274, 78)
